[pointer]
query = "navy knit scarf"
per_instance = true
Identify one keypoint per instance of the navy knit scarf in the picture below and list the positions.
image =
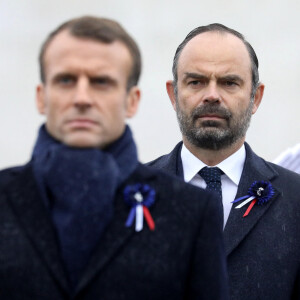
(78, 186)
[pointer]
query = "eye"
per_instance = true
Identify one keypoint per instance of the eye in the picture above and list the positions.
(65, 79)
(103, 82)
(230, 83)
(196, 83)
(99, 81)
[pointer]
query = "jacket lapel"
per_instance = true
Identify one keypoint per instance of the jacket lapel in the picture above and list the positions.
(237, 226)
(117, 234)
(170, 163)
(26, 201)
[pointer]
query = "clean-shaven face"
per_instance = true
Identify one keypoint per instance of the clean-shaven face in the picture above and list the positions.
(85, 97)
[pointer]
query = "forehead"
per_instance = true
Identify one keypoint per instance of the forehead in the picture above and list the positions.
(69, 52)
(215, 52)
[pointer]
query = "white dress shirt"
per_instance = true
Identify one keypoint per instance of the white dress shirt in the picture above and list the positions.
(231, 166)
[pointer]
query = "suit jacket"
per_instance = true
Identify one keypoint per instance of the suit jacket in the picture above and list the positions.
(183, 258)
(263, 249)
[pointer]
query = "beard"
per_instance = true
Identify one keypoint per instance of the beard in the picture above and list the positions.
(211, 134)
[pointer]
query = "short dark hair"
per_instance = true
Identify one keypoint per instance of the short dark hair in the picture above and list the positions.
(216, 27)
(99, 29)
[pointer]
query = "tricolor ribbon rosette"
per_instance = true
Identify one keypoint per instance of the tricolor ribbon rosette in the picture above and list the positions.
(260, 192)
(139, 197)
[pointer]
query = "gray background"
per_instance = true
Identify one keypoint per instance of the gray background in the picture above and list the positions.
(272, 27)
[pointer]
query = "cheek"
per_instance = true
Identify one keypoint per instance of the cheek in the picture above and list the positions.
(51, 110)
(55, 112)
(116, 105)
(245, 104)
(188, 103)
(58, 102)
(240, 109)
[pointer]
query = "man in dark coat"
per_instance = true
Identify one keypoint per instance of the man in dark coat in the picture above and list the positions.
(215, 91)
(83, 219)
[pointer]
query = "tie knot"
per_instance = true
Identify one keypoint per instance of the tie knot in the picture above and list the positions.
(211, 174)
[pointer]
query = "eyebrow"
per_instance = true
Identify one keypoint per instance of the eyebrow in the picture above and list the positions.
(58, 76)
(230, 77)
(233, 77)
(194, 75)
(62, 74)
(108, 78)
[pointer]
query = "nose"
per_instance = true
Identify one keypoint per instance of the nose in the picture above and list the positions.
(212, 93)
(82, 96)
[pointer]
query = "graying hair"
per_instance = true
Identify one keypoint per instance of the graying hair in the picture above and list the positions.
(216, 27)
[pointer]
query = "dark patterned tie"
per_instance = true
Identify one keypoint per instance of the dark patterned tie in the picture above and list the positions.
(212, 177)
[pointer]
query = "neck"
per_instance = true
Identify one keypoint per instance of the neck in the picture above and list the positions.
(213, 157)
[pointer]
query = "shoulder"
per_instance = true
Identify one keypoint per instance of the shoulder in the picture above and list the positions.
(166, 180)
(7, 175)
(173, 191)
(284, 180)
(184, 201)
(286, 177)
(167, 159)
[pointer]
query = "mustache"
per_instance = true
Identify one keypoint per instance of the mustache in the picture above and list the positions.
(214, 109)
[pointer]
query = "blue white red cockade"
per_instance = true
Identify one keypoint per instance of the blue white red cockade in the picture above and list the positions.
(139, 197)
(260, 192)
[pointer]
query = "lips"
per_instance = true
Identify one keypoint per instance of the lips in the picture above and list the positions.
(212, 116)
(81, 123)
(211, 112)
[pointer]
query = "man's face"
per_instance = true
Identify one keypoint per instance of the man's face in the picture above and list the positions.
(213, 102)
(84, 97)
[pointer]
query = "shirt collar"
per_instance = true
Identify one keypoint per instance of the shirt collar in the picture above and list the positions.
(232, 166)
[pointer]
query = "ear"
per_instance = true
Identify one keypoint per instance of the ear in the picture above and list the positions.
(171, 92)
(40, 99)
(133, 101)
(258, 97)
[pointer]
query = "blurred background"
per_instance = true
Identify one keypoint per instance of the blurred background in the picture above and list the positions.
(272, 27)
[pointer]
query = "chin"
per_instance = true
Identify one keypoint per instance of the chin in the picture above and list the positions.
(82, 141)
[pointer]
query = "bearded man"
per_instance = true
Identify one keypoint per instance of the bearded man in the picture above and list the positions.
(214, 91)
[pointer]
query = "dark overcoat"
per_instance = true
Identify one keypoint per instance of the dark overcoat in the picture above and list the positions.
(263, 249)
(183, 258)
